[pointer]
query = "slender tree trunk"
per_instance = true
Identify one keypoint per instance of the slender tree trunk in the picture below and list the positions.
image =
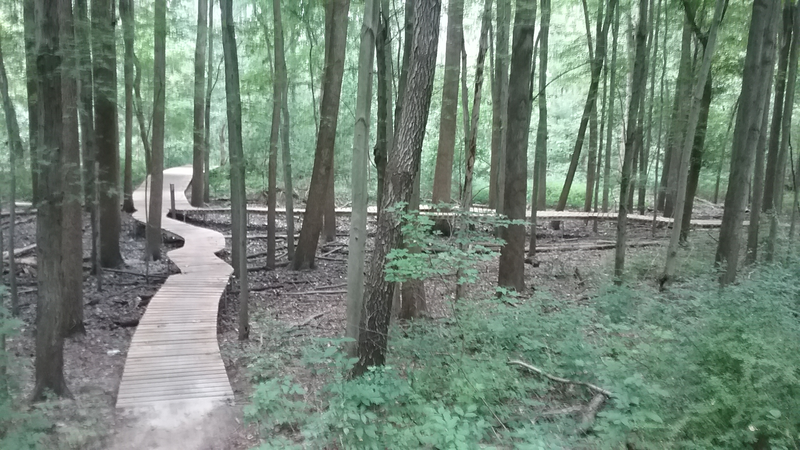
(638, 87)
(404, 162)
(15, 154)
(286, 156)
(760, 45)
(500, 108)
(274, 138)
(144, 130)
(780, 167)
(753, 229)
(591, 101)
(696, 159)
(774, 147)
(31, 75)
(321, 176)
(448, 119)
(198, 153)
(593, 138)
(106, 129)
(538, 196)
(49, 361)
(127, 17)
(612, 96)
(207, 113)
(234, 113)
(85, 112)
(512, 254)
(157, 158)
(358, 218)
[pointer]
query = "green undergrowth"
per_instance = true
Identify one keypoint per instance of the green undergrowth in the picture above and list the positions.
(694, 367)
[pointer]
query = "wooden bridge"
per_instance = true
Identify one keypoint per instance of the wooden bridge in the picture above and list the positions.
(174, 357)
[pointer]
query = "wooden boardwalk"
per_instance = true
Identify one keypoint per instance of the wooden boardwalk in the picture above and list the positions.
(174, 356)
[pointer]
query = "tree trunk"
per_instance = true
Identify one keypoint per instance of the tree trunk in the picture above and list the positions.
(157, 158)
(648, 104)
(591, 162)
(539, 193)
(591, 101)
(70, 167)
(499, 107)
(198, 153)
(780, 167)
(385, 133)
(234, 113)
(15, 154)
(404, 162)
(696, 159)
(207, 113)
(774, 147)
(512, 254)
(29, 31)
(638, 87)
(127, 17)
(448, 119)
(678, 127)
(610, 117)
(272, 165)
(322, 173)
(760, 45)
(49, 361)
(106, 129)
(753, 229)
(286, 156)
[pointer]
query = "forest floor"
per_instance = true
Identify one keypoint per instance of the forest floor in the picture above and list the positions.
(290, 311)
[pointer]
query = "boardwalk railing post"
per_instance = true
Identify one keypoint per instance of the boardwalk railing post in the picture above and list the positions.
(172, 200)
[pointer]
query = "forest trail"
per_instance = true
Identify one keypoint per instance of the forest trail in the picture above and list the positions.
(174, 391)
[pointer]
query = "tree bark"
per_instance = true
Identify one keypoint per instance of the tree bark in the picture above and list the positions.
(321, 175)
(591, 101)
(778, 110)
(159, 113)
(198, 153)
(32, 85)
(138, 103)
(638, 87)
(85, 112)
(696, 159)
(207, 113)
(499, 107)
(106, 130)
(539, 186)
(385, 73)
(280, 70)
(613, 94)
(760, 44)
(753, 229)
(234, 114)
(49, 361)
(272, 165)
(404, 162)
(512, 254)
(448, 119)
(591, 162)
(128, 34)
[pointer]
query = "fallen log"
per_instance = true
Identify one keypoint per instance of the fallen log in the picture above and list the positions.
(20, 251)
(539, 371)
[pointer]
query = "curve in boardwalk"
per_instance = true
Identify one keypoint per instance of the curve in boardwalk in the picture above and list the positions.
(174, 358)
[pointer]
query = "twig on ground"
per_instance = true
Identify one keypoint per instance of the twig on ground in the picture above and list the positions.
(341, 291)
(307, 321)
(591, 386)
(590, 412)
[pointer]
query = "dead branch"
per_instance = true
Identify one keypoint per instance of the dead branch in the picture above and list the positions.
(591, 386)
(307, 321)
(337, 292)
(590, 412)
(20, 251)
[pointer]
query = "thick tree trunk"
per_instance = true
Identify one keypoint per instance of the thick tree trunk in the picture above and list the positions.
(198, 153)
(638, 87)
(753, 229)
(448, 119)
(234, 113)
(159, 113)
(760, 45)
(591, 101)
(322, 173)
(128, 34)
(778, 110)
(207, 112)
(786, 126)
(106, 129)
(512, 254)
(696, 159)
(385, 73)
(49, 361)
(32, 84)
(499, 107)
(404, 162)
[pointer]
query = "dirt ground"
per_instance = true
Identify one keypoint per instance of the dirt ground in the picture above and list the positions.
(302, 306)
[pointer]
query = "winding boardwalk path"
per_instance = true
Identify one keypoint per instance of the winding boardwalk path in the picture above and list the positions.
(174, 375)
